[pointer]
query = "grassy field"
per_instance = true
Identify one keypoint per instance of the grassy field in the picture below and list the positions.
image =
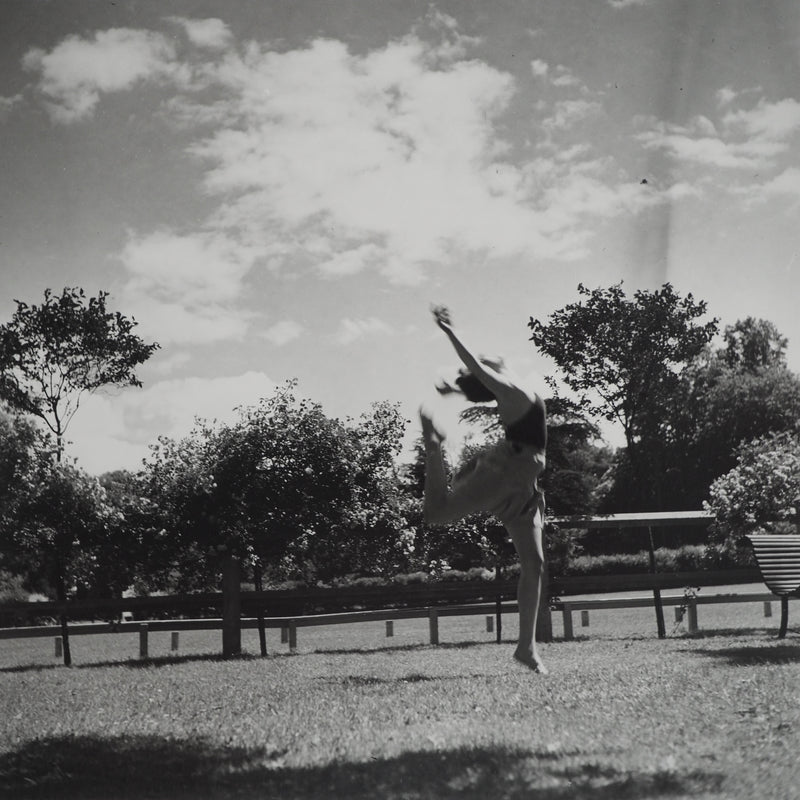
(356, 715)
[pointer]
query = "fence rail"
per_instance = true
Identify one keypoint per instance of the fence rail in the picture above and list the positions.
(309, 606)
(317, 600)
(290, 625)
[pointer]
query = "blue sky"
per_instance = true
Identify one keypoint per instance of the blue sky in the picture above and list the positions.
(281, 189)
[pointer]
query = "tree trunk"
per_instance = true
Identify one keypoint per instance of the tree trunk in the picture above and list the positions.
(231, 607)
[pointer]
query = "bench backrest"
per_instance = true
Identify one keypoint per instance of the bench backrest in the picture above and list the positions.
(778, 557)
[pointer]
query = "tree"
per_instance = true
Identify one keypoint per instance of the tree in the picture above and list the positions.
(57, 520)
(51, 354)
(624, 358)
(739, 392)
(284, 488)
(752, 344)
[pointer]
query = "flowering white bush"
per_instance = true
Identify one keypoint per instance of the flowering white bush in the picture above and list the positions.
(762, 492)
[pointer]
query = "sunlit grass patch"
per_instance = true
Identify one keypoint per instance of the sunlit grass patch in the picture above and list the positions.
(712, 716)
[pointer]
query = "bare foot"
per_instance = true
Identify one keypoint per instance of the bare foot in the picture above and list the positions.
(430, 433)
(532, 662)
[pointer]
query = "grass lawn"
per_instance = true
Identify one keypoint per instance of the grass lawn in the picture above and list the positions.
(355, 715)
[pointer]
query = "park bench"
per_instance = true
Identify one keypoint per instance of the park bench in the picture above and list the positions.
(778, 559)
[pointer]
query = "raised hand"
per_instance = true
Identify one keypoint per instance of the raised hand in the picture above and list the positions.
(442, 316)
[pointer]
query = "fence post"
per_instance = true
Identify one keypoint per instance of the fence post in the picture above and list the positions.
(489, 624)
(433, 625)
(692, 608)
(59, 643)
(389, 628)
(292, 635)
(231, 607)
(662, 628)
(585, 618)
(566, 613)
(174, 644)
(498, 601)
(284, 634)
(143, 640)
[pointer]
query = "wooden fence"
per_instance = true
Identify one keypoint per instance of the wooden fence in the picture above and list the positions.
(316, 606)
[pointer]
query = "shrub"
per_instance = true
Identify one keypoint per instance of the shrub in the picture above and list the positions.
(688, 558)
(762, 492)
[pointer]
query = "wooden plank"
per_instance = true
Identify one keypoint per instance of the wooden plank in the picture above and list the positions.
(658, 519)
(597, 584)
(143, 641)
(433, 625)
(290, 603)
(646, 601)
(566, 614)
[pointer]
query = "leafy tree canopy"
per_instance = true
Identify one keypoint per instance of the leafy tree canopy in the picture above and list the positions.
(619, 354)
(50, 354)
(285, 486)
(752, 344)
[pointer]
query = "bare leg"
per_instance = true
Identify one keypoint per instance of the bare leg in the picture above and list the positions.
(435, 477)
(445, 504)
(526, 533)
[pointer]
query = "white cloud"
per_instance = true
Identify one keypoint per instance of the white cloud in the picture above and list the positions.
(563, 76)
(390, 160)
(113, 431)
(539, 68)
(350, 262)
(212, 33)
(568, 112)
(283, 332)
(351, 330)
(620, 4)
(166, 362)
(559, 76)
(74, 74)
(743, 139)
(726, 95)
(8, 103)
(184, 288)
(786, 185)
(771, 121)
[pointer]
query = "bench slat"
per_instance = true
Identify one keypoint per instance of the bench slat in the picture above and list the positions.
(778, 557)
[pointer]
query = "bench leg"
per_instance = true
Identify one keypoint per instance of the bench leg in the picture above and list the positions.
(784, 617)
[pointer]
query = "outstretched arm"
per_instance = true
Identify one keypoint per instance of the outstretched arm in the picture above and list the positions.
(489, 377)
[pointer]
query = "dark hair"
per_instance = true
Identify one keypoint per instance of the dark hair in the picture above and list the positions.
(473, 389)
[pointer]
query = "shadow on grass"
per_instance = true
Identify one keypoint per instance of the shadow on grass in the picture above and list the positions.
(746, 655)
(139, 663)
(152, 767)
(414, 677)
(171, 660)
(399, 648)
(735, 633)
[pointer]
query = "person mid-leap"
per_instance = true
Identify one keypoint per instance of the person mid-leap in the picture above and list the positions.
(501, 479)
